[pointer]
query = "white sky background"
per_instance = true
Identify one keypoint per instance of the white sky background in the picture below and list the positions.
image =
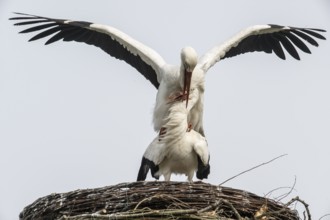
(73, 117)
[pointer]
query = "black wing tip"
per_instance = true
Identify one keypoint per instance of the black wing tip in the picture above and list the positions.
(283, 26)
(31, 39)
(19, 13)
(309, 34)
(276, 26)
(298, 28)
(143, 171)
(281, 56)
(316, 29)
(47, 43)
(203, 171)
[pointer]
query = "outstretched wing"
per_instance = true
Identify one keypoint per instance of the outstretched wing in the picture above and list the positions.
(266, 38)
(112, 41)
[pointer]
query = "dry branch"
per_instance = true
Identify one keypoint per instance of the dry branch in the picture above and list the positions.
(156, 200)
(252, 168)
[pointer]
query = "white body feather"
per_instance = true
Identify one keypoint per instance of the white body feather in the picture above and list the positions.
(178, 150)
(170, 86)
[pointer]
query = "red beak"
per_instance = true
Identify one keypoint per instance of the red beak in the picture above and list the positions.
(186, 85)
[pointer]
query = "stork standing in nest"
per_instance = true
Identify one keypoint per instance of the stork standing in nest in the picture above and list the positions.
(180, 150)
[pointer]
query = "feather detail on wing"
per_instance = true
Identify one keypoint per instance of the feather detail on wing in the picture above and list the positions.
(264, 38)
(114, 42)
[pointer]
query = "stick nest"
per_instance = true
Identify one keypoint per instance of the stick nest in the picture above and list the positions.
(157, 200)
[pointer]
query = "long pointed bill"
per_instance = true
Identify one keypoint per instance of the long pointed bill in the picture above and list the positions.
(186, 85)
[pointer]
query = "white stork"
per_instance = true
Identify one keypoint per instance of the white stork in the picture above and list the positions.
(173, 82)
(178, 151)
(169, 79)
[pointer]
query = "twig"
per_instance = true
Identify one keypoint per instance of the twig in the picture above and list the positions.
(217, 203)
(159, 196)
(237, 215)
(309, 216)
(207, 208)
(130, 215)
(267, 195)
(286, 206)
(253, 168)
(324, 216)
(270, 213)
(279, 198)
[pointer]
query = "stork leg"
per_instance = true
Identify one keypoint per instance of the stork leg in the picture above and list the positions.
(190, 176)
(167, 176)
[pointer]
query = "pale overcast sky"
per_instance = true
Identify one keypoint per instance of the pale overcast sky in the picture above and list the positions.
(73, 117)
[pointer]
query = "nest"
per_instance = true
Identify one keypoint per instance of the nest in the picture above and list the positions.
(157, 200)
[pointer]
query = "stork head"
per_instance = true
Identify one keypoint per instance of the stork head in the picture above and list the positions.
(188, 62)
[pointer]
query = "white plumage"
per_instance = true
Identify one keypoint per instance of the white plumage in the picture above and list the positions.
(173, 82)
(172, 85)
(179, 151)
